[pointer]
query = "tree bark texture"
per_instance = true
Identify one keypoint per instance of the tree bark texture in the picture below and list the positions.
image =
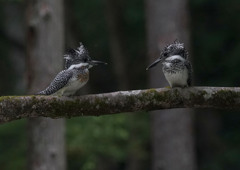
(172, 137)
(45, 42)
(17, 107)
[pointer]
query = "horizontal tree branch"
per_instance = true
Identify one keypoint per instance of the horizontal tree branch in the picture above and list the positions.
(17, 107)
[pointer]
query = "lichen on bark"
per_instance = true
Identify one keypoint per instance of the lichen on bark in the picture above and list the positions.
(17, 107)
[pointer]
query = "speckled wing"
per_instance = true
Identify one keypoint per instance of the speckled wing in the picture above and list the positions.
(59, 82)
(189, 67)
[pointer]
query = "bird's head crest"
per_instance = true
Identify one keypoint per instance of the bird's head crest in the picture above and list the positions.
(75, 56)
(176, 48)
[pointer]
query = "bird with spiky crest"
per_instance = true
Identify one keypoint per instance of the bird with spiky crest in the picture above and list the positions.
(78, 55)
(176, 68)
(76, 73)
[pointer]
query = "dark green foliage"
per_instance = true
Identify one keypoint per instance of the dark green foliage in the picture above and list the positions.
(13, 145)
(106, 141)
(216, 55)
(215, 42)
(7, 74)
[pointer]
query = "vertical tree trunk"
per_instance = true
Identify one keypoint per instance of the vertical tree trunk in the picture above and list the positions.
(116, 37)
(172, 138)
(114, 16)
(45, 42)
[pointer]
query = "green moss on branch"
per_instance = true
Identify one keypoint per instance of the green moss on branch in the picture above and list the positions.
(17, 107)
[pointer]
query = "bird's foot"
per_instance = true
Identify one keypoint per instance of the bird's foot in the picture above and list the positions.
(168, 87)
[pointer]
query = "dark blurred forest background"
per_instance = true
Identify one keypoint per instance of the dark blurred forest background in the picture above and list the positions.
(117, 32)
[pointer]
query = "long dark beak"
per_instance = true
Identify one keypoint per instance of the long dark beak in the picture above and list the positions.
(153, 64)
(94, 62)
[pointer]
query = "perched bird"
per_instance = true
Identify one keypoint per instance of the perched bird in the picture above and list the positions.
(76, 74)
(176, 67)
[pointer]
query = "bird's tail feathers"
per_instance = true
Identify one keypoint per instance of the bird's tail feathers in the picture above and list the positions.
(41, 93)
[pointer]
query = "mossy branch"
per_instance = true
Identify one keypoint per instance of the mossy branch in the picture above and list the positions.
(17, 107)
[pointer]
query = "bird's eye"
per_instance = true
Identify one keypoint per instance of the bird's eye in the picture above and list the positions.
(176, 61)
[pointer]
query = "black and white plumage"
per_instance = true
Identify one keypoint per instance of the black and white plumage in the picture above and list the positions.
(79, 55)
(68, 81)
(176, 67)
(75, 75)
(176, 48)
(177, 71)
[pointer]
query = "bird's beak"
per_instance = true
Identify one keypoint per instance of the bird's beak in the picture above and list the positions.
(94, 62)
(154, 63)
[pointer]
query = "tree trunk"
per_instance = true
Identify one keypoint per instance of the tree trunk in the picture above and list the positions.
(116, 39)
(172, 136)
(114, 16)
(45, 42)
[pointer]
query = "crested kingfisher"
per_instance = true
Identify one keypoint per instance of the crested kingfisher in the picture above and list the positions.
(176, 68)
(76, 73)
